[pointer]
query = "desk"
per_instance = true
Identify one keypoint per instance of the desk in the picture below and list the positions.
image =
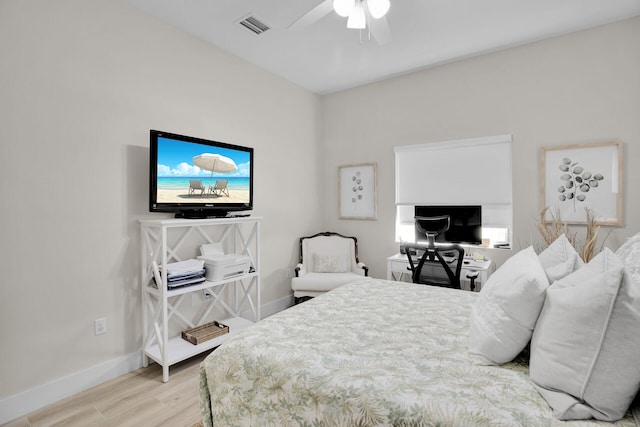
(398, 264)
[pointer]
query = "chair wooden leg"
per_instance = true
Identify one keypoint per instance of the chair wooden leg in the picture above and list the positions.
(298, 300)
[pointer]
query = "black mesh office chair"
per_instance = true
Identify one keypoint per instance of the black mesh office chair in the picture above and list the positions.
(431, 226)
(437, 266)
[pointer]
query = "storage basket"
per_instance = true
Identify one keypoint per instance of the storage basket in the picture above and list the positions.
(205, 332)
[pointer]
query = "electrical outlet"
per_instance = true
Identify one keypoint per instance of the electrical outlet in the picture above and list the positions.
(289, 273)
(100, 326)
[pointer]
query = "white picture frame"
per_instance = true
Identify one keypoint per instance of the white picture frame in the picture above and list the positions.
(357, 191)
(582, 176)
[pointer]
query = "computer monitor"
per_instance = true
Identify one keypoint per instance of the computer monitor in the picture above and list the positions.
(465, 223)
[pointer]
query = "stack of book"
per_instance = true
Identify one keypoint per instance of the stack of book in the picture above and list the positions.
(183, 273)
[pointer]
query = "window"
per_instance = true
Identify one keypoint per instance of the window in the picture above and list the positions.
(474, 171)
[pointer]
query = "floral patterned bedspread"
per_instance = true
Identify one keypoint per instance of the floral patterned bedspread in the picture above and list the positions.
(372, 353)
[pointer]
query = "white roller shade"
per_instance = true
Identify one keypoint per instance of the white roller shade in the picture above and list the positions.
(467, 171)
(474, 171)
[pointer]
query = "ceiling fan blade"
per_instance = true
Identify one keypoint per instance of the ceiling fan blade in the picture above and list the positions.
(380, 30)
(320, 11)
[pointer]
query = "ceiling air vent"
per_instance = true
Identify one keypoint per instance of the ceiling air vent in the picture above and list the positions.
(254, 24)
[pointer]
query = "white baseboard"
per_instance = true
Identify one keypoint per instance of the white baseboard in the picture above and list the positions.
(276, 306)
(21, 404)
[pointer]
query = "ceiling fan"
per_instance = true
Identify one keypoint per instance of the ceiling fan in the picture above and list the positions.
(361, 14)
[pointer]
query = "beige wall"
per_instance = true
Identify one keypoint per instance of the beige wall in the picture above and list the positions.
(579, 88)
(81, 85)
(83, 82)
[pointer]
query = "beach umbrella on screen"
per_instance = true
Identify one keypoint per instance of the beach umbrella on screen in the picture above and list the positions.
(215, 163)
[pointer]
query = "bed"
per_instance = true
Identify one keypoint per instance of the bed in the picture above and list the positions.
(372, 352)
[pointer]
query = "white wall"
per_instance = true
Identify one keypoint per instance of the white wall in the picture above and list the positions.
(82, 82)
(579, 88)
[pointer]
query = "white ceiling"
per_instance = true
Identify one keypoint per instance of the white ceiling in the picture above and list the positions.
(326, 57)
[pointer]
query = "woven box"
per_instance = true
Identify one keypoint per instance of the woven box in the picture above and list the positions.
(205, 332)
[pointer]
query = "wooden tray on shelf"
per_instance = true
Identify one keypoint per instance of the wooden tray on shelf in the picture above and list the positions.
(205, 332)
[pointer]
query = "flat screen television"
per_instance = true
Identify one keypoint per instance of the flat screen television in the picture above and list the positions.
(465, 223)
(198, 178)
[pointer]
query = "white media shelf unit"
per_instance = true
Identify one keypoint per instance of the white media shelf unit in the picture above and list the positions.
(163, 241)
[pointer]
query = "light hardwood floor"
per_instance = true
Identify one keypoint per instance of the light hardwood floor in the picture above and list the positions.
(139, 398)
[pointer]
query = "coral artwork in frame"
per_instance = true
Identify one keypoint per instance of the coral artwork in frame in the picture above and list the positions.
(581, 177)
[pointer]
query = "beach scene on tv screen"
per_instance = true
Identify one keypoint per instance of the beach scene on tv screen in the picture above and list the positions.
(196, 173)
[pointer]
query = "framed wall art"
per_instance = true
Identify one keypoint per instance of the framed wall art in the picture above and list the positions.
(580, 177)
(357, 191)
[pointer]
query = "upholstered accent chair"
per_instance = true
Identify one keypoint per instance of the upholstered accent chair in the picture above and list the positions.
(327, 260)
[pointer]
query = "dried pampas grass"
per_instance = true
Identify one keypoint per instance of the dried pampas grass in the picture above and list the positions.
(589, 245)
(551, 230)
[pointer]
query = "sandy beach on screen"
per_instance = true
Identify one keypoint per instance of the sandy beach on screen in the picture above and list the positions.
(183, 196)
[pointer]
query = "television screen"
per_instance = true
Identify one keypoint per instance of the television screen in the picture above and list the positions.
(196, 177)
(465, 223)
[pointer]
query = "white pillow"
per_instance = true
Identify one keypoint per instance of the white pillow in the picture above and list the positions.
(560, 259)
(629, 254)
(505, 312)
(330, 263)
(586, 346)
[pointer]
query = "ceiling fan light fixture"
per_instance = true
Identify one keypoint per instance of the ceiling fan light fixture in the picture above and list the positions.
(344, 7)
(357, 19)
(378, 8)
